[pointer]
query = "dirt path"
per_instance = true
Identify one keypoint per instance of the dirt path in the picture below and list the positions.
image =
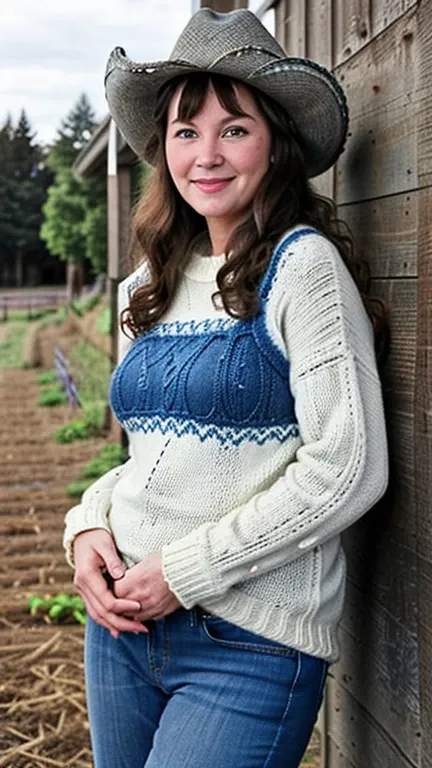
(42, 705)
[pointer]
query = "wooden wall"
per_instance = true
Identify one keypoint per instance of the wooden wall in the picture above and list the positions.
(379, 698)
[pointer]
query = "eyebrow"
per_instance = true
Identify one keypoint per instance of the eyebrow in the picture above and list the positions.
(222, 122)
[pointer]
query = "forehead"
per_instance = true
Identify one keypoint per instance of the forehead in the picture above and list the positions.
(211, 100)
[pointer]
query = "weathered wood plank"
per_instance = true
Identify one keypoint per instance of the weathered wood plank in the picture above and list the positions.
(385, 12)
(358, 736)
(357, 22)
(379, 667)
(398, 387)
(335, 758)
(381, 154)
(423, 395)
(319, 31)
(351, 28)
(385, 233)
(383, 569)
(290, 23)
(423, 416)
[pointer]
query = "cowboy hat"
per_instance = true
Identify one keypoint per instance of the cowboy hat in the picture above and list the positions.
(235, 44)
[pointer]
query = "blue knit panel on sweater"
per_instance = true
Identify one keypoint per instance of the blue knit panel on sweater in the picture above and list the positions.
(220, 378)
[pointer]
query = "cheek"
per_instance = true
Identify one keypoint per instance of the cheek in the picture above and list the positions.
(255, 158)
(176, 162)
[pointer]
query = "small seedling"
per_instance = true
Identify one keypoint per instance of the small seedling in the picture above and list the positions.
(58, 609)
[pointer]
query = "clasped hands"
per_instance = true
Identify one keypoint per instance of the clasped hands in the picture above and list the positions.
(138, 594)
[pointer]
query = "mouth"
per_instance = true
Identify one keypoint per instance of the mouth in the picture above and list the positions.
(210, 186)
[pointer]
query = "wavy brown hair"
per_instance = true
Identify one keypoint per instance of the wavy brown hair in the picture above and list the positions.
(164, 225)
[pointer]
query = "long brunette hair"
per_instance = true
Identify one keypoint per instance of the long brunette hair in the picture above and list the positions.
(164, 225)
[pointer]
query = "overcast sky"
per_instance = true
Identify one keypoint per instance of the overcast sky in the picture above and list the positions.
(53, 50)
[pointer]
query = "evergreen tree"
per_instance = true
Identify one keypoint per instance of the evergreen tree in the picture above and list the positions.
(24, 179)
(75, 212)
(74, 132)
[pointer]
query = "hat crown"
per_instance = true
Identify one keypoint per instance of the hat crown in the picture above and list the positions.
(210, 36)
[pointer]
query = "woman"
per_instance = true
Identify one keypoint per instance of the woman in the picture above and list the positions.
(210, 563)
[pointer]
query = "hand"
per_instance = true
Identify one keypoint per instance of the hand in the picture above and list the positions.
(145, 583)
(94, 552)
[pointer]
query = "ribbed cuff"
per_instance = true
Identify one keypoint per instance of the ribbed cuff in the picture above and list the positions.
(186, 572)
(83, 518)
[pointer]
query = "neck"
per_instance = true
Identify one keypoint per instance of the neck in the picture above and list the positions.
(220, 230)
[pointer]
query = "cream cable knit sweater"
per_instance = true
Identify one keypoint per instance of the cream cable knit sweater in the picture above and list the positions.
(252, 445)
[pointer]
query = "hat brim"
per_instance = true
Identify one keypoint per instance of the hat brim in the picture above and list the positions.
(309, 93)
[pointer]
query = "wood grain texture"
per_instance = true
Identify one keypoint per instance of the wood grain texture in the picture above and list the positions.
(357, 22)
(379, 667)
(319, 33)
(381, 154)
(336, 758)
(358, 736)
(398, 378)
(381, 569)
(290, 24)
(423, 396)
(385, 233)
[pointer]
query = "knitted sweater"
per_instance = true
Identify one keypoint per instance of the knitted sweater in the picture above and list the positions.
(253, 444)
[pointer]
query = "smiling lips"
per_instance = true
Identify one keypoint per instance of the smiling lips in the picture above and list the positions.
(211, 185)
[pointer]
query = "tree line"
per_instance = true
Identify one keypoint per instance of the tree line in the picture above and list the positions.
(45, 211)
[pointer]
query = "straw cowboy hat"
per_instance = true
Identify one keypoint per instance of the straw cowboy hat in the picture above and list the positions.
(235, 44)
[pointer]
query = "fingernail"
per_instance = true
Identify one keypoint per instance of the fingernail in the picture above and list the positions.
(118, 572)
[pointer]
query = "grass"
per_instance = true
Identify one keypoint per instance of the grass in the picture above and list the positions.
(109, 456)
(11, 348)
(91, 371)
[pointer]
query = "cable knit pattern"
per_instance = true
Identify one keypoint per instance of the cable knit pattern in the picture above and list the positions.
(252, 444)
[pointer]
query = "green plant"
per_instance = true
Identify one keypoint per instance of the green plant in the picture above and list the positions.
(52, 396)
(77, 308)
(58, 608)
(77, 488)
(103, 323)
(78, 429)
(47, 377)
(91, 302)
(110, 456)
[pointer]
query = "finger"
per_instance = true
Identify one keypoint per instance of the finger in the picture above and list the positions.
(92, 582)
(115, 565)
(112, 621)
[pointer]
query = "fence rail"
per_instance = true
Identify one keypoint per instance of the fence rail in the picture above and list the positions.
(29, 302)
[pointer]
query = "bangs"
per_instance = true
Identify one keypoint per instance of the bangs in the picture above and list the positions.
(195, 92)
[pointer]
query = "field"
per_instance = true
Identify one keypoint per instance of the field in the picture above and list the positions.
(42, 702)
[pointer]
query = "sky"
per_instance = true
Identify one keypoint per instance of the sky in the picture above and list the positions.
(53, 50)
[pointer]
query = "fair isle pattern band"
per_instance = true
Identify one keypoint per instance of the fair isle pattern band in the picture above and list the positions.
(224, 435)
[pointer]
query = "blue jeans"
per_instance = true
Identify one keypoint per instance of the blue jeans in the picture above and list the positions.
(199, 692)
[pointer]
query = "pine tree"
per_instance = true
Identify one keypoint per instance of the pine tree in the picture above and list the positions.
(75, 212)
(23, 183)
(74, 132)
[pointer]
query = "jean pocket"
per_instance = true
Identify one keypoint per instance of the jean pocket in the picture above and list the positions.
(229, 635)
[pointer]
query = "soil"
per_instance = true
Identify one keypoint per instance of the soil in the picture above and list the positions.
(42, 701)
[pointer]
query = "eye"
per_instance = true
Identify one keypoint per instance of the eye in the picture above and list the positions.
(235, 130)
(185, 133)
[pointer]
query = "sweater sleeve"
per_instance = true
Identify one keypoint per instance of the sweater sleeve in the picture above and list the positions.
(315, 315)
(93, 509)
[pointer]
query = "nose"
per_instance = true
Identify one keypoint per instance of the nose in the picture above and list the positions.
(209, 154)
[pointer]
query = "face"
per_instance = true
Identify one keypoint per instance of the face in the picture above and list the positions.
(218, 160)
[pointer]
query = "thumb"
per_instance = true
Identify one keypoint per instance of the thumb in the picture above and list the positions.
(115, 565)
